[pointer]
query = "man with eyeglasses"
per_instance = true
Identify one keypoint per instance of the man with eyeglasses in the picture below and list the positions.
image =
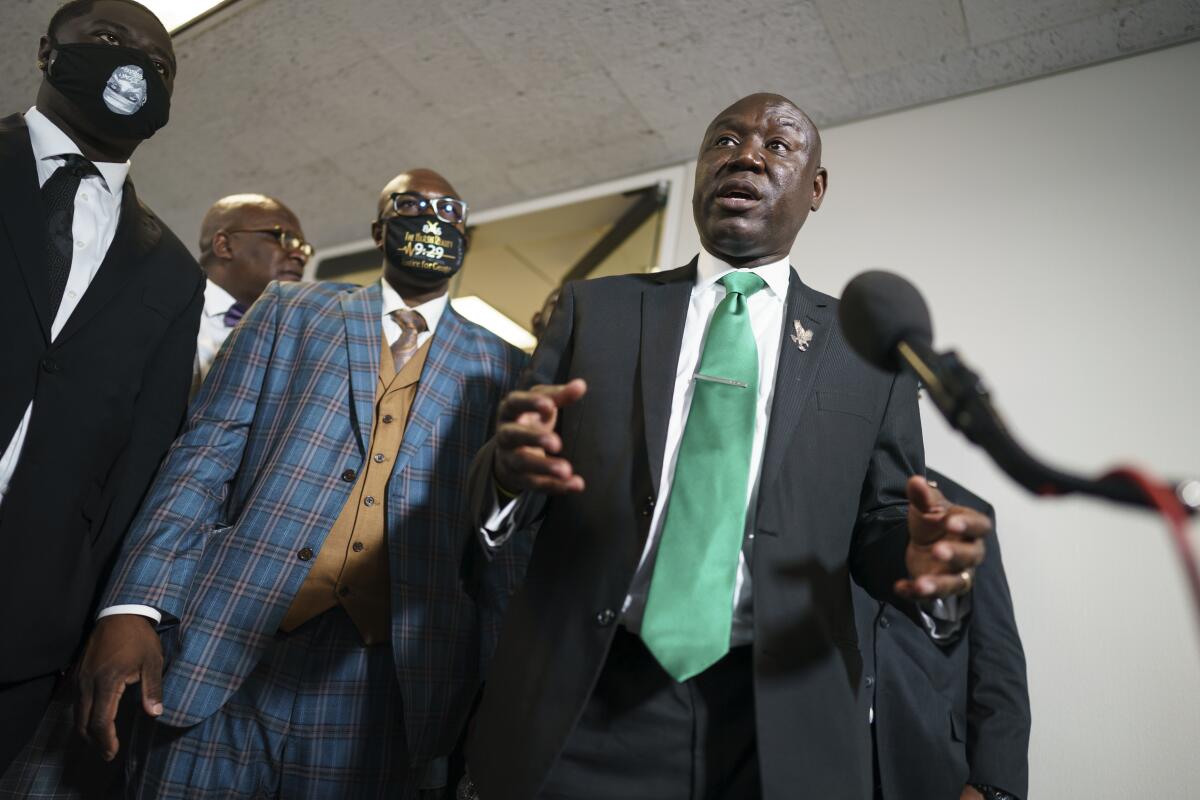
(246, 241)
(305, 556)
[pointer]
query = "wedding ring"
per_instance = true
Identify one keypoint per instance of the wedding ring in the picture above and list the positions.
(968, 579)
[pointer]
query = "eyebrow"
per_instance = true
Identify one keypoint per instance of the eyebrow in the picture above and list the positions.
(122, 28)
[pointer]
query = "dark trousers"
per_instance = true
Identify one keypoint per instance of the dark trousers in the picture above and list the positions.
(643, 735)
(21, 707)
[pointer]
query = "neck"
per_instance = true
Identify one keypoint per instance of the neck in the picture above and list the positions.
(413, 296)
(746, 261)
(92, 148)
(221, 277)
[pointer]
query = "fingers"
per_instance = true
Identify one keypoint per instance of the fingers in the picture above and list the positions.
(526, 440)
(101, 727)
(543, 401)
(957, 556)
(152, 688)
(928, 587)
(514, 435)
(923, 496)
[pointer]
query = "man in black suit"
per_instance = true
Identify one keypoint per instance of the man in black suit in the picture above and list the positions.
(949, 722)
(99, 307)
(685, 629)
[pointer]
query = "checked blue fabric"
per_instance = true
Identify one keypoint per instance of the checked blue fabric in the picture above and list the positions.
(248, 492)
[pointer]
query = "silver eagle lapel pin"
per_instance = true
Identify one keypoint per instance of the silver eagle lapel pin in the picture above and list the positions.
(802, 337)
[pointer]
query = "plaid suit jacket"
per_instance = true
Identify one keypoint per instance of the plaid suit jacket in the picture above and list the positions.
(255, 480)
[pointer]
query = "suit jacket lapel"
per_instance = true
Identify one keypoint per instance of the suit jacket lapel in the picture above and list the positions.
(362, 312)
(795, 375)
(138, 231)
(22, 215)
(440, 387)
(664, 311)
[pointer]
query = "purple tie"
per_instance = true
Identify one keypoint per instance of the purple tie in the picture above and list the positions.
(234, 315)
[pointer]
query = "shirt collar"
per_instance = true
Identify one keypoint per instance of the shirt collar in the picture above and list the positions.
(710, 269)
(216, 300)
(431, 310)
(49, 141)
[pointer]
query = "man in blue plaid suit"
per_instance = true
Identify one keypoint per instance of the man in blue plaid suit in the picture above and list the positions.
(304, 564)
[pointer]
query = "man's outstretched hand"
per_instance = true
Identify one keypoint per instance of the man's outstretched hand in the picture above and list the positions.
(526, 444)
(123, 649)
(945, 544)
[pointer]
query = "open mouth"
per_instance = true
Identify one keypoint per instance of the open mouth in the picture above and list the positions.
(737, 195)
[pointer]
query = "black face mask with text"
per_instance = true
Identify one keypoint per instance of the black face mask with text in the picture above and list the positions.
(118, 89)
(426, 250)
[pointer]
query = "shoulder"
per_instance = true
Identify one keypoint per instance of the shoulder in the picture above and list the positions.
(309, 295)
(631, 283)
(484, 344)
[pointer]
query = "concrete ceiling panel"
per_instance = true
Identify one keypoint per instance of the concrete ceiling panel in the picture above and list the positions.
(990, 21)
(321, 103)
(872, 36)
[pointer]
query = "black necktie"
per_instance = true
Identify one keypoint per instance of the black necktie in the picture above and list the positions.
(58, 196)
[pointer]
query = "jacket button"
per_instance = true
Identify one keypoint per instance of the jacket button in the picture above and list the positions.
(884, 622)
(349, 475)
(387, 418)
(368, 500)
(379, 458)
(605, 617)
(50, 365)
(357, 547)
(305, 554)
(648, 509)
(870, 681)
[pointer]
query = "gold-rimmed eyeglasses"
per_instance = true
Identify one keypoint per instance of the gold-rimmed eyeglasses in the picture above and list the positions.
(290, 242)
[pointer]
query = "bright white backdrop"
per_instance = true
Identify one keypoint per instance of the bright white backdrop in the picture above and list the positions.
(1054, 228)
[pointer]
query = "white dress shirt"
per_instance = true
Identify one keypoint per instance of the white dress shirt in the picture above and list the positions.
(97, 211)
(213, 330)
(431, 310)
(767, 307)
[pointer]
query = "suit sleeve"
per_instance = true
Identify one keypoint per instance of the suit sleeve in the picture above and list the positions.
(550, 365)
(158, 412)
(998, 716)
(877, 555)
(159, 556)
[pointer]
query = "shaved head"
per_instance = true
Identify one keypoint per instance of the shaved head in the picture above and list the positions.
(241, 249)
(239, 211)
(422, 181)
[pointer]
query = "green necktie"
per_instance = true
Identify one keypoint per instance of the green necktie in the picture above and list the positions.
(689, 609)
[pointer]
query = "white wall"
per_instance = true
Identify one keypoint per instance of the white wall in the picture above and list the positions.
(1054, 228)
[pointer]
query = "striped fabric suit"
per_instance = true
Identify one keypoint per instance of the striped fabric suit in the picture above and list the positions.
(250, 489)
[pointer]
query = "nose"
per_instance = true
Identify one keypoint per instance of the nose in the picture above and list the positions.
(747, 158)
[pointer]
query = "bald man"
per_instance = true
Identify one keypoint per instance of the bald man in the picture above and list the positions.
(303, 555)
(706, 464)
(246, 241)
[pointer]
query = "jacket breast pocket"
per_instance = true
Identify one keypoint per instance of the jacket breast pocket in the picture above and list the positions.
(844, 403)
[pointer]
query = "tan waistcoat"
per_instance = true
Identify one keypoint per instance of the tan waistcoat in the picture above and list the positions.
(351, 569)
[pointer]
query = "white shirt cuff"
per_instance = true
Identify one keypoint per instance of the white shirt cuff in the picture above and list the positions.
(943, 615)
(145, 611)
(500, 524)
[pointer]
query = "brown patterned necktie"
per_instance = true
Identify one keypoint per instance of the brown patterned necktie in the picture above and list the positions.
(411, 325)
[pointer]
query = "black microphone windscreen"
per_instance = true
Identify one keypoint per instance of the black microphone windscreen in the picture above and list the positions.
(879, 310)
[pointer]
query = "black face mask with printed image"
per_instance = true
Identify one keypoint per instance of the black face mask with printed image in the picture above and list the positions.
(118, 89)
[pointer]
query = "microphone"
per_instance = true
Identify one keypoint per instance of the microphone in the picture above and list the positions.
(886, 321)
